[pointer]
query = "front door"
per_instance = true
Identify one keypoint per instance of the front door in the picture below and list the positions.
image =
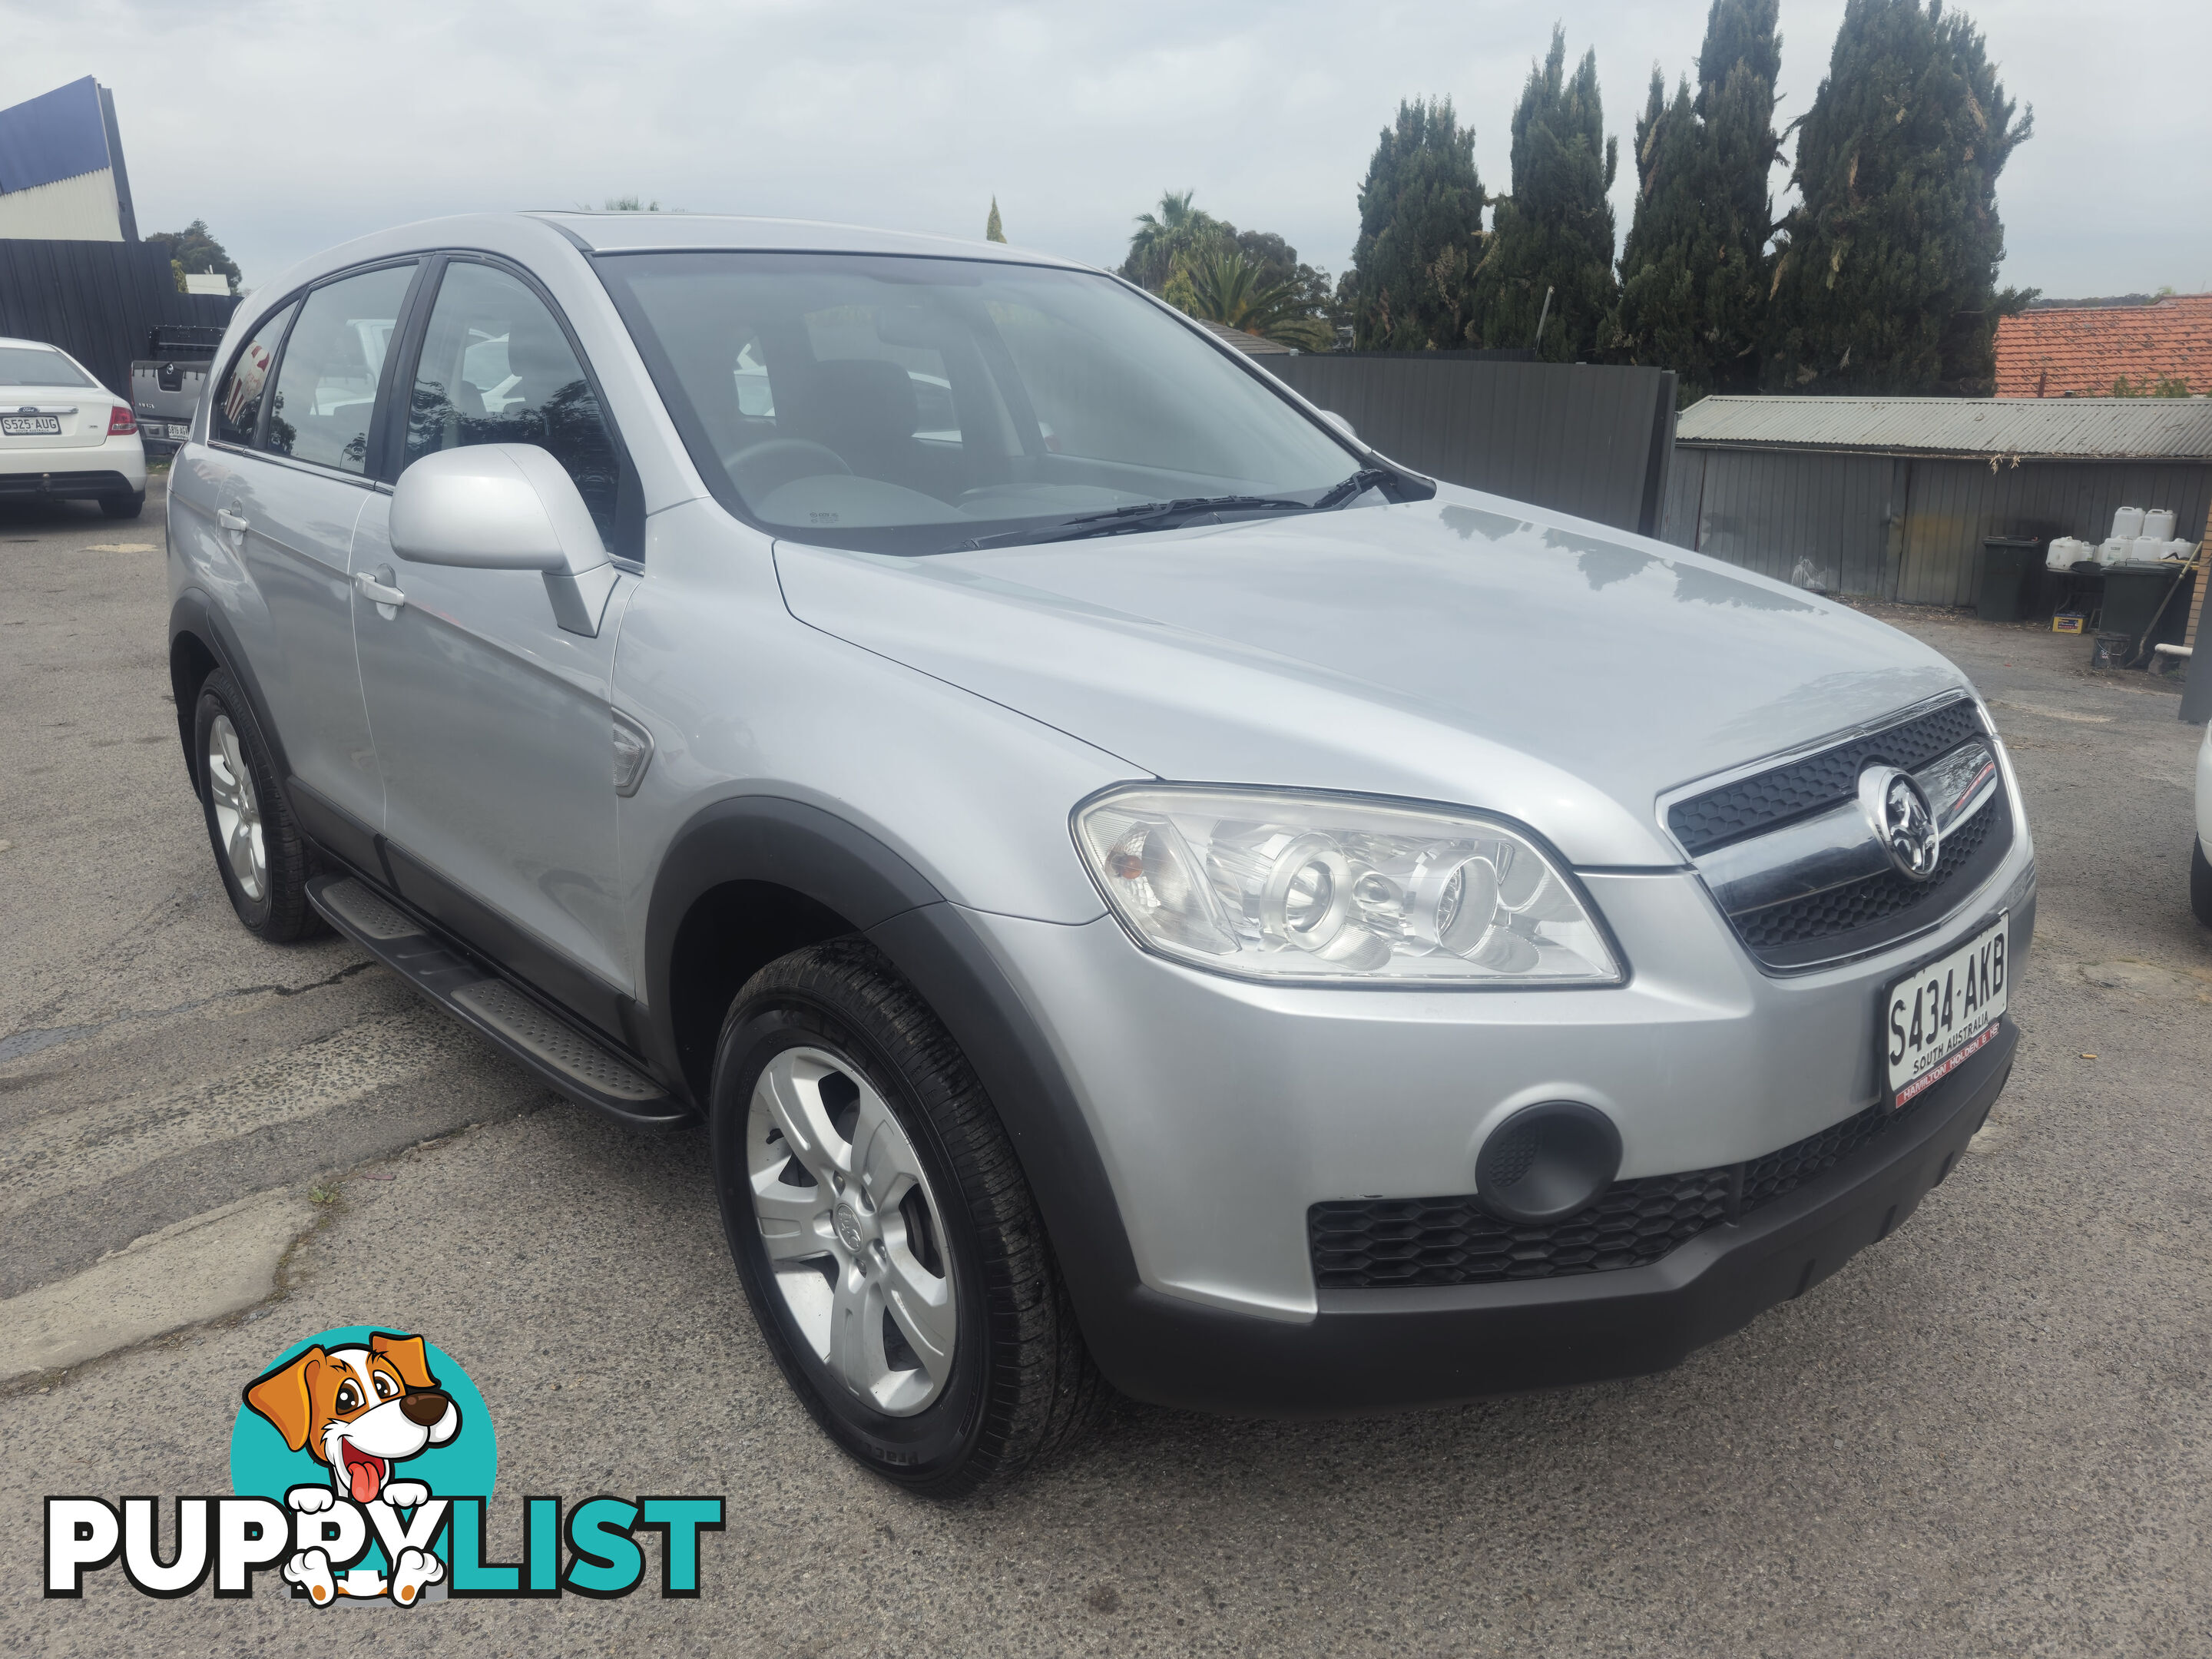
(494, 727)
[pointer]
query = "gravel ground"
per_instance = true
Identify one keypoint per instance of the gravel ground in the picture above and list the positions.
(1987, 1435)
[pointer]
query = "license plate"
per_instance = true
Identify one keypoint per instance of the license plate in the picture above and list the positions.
(31, 426)
(1943, 1011)
(171, 429)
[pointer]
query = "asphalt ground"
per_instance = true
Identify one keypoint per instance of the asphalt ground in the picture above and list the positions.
(1987, 1435)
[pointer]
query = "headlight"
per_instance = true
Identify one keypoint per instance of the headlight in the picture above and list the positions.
(1265, 884)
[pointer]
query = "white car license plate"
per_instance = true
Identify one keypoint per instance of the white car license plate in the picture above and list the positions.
(31, 426)
(1943, 1011)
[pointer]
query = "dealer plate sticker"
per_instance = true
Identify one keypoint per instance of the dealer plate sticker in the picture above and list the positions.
(1944, 1012)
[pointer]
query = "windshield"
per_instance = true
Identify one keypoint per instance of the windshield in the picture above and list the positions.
(38, 366)
(910, 406)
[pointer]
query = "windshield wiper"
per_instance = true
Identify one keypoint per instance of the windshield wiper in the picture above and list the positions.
(1140, 515)
(1160, 515)
(1343, 495)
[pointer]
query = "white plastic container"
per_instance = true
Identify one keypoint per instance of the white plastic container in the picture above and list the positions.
(2158, 523)
(2114, 549)
(2127, 524)
(2067, 551)
(2151, 548)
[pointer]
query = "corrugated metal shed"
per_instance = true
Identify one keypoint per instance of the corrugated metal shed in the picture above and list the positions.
(1894, 497)
(2030, 428)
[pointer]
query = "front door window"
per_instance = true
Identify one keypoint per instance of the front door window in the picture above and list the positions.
(496, 368)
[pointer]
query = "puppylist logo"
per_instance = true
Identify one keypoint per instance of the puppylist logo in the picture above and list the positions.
(361, 1465)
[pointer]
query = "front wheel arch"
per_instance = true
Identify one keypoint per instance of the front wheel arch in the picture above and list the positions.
(762, 844)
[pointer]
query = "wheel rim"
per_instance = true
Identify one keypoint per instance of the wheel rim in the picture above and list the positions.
(853, 1233)
(237, 808)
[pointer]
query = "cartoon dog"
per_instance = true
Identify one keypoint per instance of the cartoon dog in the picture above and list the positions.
(359, 1411)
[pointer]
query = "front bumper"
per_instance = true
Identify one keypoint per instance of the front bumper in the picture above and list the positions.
(1374, 1349)
(1222, 1110)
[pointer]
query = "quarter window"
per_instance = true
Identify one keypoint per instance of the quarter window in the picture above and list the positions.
(238, 406)
(496, 368)
(325, 400)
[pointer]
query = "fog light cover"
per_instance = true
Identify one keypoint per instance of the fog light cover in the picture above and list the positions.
(1547, 1161)
(1268, 884)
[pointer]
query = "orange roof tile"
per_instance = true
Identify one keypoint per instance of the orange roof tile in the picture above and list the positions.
(2051, 354)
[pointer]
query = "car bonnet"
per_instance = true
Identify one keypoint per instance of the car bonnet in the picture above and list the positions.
(1463, 650)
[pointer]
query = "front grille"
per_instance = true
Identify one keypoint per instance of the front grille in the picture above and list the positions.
(1769, 800)
(1880, 907)
(1377, 1243)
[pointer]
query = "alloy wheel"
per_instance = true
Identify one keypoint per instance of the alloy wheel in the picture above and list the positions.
(237, 808)
(852, 1230)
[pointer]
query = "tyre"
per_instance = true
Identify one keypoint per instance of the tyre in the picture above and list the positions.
(123, 506)
(2200, 882)
(887, 1241)
(258, 848)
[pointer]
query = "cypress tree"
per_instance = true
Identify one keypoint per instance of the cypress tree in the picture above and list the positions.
(992, 230)
(1695, 272)
(1671, 245)
(1887, 279)
(1555, 232)
(1420, 234)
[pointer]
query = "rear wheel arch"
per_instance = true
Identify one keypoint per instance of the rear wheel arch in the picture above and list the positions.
(191, 661)
(199, 643)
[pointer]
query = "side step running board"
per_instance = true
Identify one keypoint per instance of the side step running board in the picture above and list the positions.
(572, 1060)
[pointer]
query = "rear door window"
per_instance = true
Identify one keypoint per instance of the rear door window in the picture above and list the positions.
(237, 413)
(325, 405)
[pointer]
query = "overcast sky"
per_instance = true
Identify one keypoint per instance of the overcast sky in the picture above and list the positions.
(291, 126)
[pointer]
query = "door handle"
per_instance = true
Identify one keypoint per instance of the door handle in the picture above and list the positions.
(378, 592)
(229, 519)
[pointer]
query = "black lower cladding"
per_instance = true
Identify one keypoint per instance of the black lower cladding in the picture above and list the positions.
(1373, 1243)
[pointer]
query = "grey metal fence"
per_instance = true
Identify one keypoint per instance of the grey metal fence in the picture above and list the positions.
(1589, 440)
(97, 301)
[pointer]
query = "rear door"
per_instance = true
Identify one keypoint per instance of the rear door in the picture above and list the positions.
(287, 507)
(494, 726)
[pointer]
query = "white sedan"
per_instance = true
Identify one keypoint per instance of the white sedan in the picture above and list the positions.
(64, 436)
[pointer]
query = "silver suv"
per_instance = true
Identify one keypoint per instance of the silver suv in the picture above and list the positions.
(1134, 883)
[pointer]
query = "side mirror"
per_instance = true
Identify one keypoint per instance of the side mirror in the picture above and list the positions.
(506, 507)
(1339, 424)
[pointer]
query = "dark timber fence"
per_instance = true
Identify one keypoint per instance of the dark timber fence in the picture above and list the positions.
(1593, 442)
(97, 301)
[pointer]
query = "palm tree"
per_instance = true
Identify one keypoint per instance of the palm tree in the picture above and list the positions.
(1222, 288)
(1178, 233)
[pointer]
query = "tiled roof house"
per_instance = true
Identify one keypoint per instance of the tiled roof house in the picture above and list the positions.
(2080, 352)
(1254, 345)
